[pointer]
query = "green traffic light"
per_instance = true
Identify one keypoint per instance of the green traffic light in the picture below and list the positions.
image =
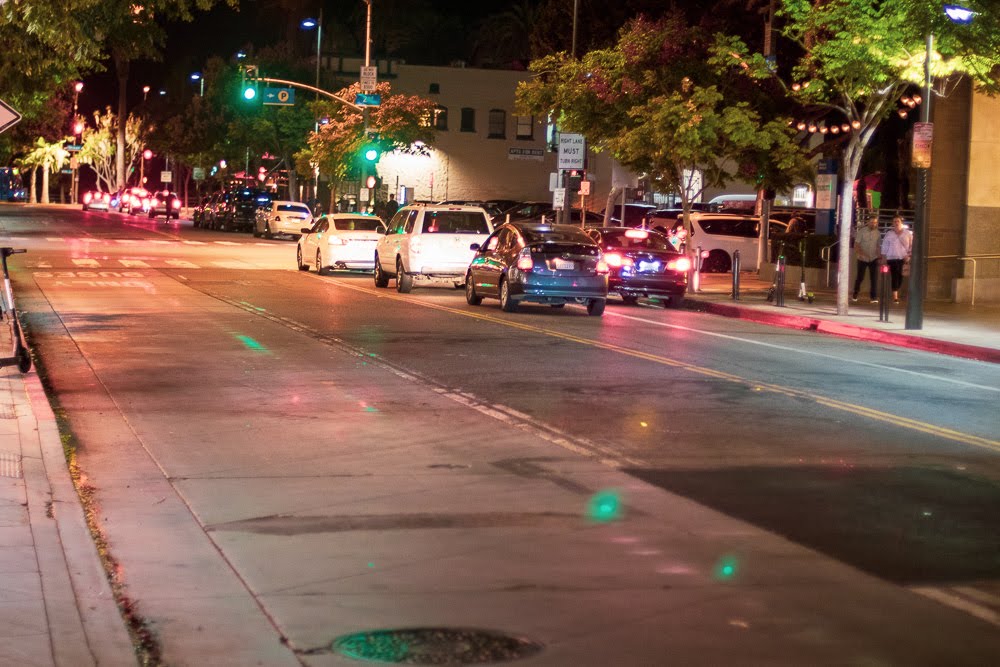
(249, 93)
(371, 154)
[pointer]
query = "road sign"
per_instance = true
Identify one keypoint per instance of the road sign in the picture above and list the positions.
(923, 141)
(279, 97)
(73, 148)
(198, 173)
(166, 176)
(559, 198)
(572, 151)
(368, 99)
(8, 116)
(369, 77)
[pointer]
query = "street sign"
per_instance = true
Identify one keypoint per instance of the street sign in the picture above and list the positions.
(73, 148)
(368, 99)
(572, 151)
(585, 188)
(166, 176)
(559, 198)
(8, 117)
(279, 97)
(198, 173)
(923, 141)
(369, 77)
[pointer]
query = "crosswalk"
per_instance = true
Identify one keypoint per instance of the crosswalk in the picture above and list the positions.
(146, 263)
(97, 240)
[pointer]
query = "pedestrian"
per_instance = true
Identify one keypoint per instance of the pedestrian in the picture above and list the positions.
(391, 207)
(866, 251)
(896, 247)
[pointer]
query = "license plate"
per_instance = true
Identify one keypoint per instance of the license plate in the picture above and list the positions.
(564, 264)
(649, 267)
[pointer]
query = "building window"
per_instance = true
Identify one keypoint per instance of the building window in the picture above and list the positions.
(468, 119)
(498, 124)
(525, 127)
(434, 89)
(437, 118)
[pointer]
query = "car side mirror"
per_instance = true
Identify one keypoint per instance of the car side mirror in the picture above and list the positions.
(304, 230)
(474, 246)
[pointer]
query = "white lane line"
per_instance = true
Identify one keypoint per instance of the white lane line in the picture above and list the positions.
(227, 243)
(181, 264)
(978, 595)
(160, 241)
(87, 262)
(232, 265)
(783, 348)
(194, 242)
(55, 239)
(133, 263)
(956, 602)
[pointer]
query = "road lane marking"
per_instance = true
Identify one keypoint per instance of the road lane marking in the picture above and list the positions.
(821, 355)
(877, 415)
(181, 264)
(957, 602)
(87, 262)
(194, 242)
(226, 243)
(133, 263)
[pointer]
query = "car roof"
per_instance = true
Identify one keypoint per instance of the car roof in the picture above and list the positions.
(289, 201)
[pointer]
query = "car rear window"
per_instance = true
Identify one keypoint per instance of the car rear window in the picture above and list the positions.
(455, 222)
(630, 239)
(294, 207)
(727, 227)
(357, 224)
(563, 234)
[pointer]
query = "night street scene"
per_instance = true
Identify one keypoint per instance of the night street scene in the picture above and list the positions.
(547, 332)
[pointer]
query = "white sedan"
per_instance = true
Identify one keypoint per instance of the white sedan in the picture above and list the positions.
(282, 218)
(340, 241)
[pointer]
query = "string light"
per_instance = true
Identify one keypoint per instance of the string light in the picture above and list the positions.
(856, 124)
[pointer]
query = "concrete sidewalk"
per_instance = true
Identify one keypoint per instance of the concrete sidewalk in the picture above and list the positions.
(959, 330)
(56, 605)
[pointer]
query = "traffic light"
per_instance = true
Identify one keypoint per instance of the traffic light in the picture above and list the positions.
(249, 83)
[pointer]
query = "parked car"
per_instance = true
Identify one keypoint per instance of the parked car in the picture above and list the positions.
(720, 234)
(343, 241)
(429, 243)
(95, 200)
(282, 218)
(529, 210)
(643, 263)
(198, 213)
(239, 211)
(165, 203)
(133, 200)
(541, 263)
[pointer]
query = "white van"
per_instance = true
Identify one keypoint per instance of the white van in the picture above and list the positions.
(742, 202)
(719, 234)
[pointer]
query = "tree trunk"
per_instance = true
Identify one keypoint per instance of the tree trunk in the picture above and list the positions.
(121, 67)
(852, 163)
(45, 185)
(612, 196)
(33, 197)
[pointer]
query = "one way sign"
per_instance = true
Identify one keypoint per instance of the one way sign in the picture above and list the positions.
(8, 117)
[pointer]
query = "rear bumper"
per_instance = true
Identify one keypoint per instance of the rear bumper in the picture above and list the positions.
(647, 287)
(556, 289)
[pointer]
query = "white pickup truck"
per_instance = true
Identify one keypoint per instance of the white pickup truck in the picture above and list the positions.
(430, 243)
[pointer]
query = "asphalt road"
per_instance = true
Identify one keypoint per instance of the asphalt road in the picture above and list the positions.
(187, 361)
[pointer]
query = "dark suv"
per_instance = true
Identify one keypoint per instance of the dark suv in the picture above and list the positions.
(240, 211)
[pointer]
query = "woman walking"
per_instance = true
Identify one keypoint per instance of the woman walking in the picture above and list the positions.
(896, 247)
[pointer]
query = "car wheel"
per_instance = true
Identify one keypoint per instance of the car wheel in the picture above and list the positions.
(630, 299)
(298, 260)
(267, 232)
(717, 262)
(381, 280)
(319, 262)
(404, 283)
(596, 307)
(507, 304)
(471, 297)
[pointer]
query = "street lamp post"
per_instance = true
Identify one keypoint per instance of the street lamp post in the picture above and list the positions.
(918, 253)
(196, 76)
(145, 92)
(309, 24)
(77, 131)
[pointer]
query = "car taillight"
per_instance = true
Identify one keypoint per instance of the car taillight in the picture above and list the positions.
(87, 197)
(135, 200)
(155, 203)
(602, 267)
(636, 233)
(616, 260)
(682, 264)
(106, 197)
(177, 203)
(524, 261)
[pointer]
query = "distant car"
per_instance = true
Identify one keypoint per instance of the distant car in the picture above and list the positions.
(344, 241)
(643, 263)
(282, 218)
(239, 210)
(198, 213)
(165, 203)
(95, 200)
(541, 263)
(134, 201)
(634, 214)
(529, 210)
(429, 243)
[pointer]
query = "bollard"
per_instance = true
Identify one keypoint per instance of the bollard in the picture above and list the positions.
(736, 275)
(696, 277)
(884, 291)
(779, 296)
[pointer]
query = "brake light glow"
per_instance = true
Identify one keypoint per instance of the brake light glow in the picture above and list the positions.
(682, 264)
(87, 197)
(177, 203)
(637, 233)
(616, 260)
(602, 267)
(524, 261)
(106, 197)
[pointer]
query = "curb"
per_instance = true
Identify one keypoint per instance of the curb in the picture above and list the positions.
(86, 628)
(819, 325)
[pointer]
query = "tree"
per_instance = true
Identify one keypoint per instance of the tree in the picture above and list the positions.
(859, 56)
(663, 104)
(49, 157)
(100, 148)
(399, 123)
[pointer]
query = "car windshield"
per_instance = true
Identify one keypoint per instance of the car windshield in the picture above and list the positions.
(628, 239)
(357, 224)
(555, 235)
(297, 208)
(455, 222)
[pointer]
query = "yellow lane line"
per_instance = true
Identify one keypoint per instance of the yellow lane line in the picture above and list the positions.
(878, 415)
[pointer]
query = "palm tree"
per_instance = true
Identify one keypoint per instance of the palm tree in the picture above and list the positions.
(50, 158)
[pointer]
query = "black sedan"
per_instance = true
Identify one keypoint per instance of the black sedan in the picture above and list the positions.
(541, 263)
(642, 263)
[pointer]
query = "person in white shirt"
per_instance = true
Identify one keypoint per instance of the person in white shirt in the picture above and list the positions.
(896, 247)
(866, 249)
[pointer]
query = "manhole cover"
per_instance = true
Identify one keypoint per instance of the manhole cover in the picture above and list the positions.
(434, 646)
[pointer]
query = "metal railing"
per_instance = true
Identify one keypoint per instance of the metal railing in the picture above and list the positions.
(824, 255)
(967, 258)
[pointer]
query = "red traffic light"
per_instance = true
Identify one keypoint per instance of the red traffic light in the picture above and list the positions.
(147, 154)
(370, 183)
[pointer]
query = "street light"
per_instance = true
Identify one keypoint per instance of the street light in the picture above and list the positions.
(145, 91)
(77, 131)
(309, 24)
(918, 253)
(196, 76)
